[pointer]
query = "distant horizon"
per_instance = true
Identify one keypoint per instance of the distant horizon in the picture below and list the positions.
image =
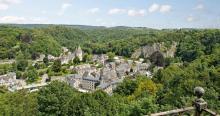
(157, 14)
(105, 26)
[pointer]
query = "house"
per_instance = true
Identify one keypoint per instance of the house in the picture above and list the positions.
(100, 58)
(65, 58)
(81, 69)
(107, 75)
(123, 69)
(90, 83)
(74, 80)
(8, 80)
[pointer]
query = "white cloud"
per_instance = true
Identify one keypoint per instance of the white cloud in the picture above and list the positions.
(190, 18)
(117, 11)
(136, 12)
(10, 1)
(93, 10)
(23, 20)
(199, 7)
(5, 4)
(165, 8)
(154, 7)
(129, 12)
(64, 7)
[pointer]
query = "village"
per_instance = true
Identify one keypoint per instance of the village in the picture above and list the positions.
(102, 74)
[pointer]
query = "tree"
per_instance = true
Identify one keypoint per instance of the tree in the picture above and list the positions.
(18, 74)
(54, 99)
(46, 60)
(19, 103)
(143, 106)
(145, 86)
(21, 62)
(37, 65)
(126, 88)
(76, 60)
(87, 57)
(35, 55)
(11, 54)
(25, 37)
(56, 67)
(111, 56)
(32, 74)
(157, 59)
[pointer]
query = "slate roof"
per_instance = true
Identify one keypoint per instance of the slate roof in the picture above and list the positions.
(90, 78)
(104, 85)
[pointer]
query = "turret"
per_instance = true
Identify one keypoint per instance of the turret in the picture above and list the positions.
(79, 53)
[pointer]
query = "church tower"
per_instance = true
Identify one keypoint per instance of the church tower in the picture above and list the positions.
(79, 53)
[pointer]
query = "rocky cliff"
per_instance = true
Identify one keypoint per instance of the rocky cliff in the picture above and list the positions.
(148, 50)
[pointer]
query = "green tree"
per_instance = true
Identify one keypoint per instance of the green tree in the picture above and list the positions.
(21, 62)
(56, 67)
(18, 74)
(126, 88)
(76, 60)
(32, 74)
(111, 56)
(20, 103)
(157, 59)
(46, 60)
(54, 99)
(87, 57)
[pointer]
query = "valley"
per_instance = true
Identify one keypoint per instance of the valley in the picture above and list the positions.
(61, 69)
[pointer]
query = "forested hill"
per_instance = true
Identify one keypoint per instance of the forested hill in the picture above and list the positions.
(32, 42)
(31, 39)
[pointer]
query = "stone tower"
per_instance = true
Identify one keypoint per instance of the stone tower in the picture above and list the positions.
(79, 53)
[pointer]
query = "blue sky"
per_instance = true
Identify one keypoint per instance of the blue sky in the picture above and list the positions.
(143, 13)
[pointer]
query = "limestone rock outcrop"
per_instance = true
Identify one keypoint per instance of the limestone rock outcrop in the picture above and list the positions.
(148, 50)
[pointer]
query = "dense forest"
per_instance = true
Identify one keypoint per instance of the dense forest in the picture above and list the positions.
(196, 63)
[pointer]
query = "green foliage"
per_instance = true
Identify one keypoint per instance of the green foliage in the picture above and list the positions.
(54, 99)
(19, 103)
(111, 56)
(157, 59)
(46, 60)
(68, 37)
(32, 74)
(21, 62)
(56, 67)
(126, 88)
(18, 74)
(5, 68)
(39, 45)
(87, 57)
(76, 60)
(200, 72)
(29, 41)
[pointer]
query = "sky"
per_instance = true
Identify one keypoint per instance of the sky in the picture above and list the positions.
(136, 13)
